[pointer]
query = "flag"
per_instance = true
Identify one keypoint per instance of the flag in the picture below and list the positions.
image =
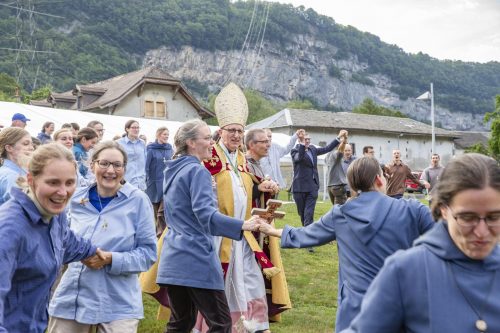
(425, 95)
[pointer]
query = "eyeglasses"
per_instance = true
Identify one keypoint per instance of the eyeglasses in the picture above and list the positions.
(233, 131)
(100, 130)
(134, 127)
(472, 220)
(103, 164)
(262, 141)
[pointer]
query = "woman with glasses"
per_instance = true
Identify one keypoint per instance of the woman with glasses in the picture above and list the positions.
(450, 280)
(119, 218)
(368, 228)
(136, 151)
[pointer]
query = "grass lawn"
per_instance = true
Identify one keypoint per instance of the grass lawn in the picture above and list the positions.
(312, 282)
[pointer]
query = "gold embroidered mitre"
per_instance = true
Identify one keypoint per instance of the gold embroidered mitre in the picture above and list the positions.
(231, 106)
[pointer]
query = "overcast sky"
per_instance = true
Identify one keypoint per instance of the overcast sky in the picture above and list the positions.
(467, 30)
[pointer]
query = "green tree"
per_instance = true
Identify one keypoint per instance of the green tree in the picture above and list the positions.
(494, 117)
(40, 93)
(368, 106)
(301, 104)
(8, 87)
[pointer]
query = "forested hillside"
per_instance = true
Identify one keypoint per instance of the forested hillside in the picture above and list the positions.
(94, 39)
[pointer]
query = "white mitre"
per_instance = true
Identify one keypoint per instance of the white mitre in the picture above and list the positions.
(231, 106)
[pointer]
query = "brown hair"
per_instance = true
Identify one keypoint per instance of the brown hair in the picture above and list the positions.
(161, 130)
(87, 133)
(362, 173)
(188, 131)
(108, 145)
(468, 171)
(46, 124)
(9, 137)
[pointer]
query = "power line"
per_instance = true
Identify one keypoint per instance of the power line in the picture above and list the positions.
(27, 50)
(31, 11)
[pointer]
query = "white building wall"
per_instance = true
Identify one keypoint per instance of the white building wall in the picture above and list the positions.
(178, 109)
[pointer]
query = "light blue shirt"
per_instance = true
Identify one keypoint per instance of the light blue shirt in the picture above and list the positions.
(270, 164)
(9, 173)
(135, 172)
(126, 228)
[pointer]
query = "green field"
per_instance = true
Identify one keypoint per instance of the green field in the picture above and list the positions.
(312, 282)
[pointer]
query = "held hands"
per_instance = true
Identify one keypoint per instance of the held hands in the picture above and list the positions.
(344, 134)
(98, 260)
(270, 230)
(253, 223)
(301, 133)
(269, 186)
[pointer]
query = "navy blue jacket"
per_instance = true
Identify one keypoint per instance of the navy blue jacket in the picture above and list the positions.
(305, 170)
(157, 156)
(31, 255)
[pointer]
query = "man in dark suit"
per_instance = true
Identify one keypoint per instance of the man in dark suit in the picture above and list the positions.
(305, 183)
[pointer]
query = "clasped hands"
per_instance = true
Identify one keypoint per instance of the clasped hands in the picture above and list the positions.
(269, 186)
(98, 260)
(257, 223)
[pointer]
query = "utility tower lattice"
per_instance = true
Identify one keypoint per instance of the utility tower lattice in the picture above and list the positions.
(27, 64)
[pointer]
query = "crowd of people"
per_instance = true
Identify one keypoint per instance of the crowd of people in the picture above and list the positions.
(98, 222)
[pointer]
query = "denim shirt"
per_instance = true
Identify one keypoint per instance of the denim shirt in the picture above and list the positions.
(135, 172)
(31, 254)
(9, 172)
(81, 157)
(124, 227)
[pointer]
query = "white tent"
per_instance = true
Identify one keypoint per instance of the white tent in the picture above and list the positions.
(113, 125)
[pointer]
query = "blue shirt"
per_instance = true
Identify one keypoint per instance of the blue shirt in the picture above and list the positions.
(9, 173)
(157, 156)
(135, 171)
(31, 255)
(126, 228)
(81, 157)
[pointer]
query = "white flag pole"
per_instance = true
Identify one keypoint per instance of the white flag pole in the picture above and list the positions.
(432, 120)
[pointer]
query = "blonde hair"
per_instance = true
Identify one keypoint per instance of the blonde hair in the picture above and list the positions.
(9, 137)
(62, 130)
(161, 130)
(46, 154)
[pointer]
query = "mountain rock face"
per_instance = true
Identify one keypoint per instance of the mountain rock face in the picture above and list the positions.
(302, 70)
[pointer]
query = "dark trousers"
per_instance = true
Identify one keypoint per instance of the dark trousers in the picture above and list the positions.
(306, 202)
(185, 302)
(338, 194)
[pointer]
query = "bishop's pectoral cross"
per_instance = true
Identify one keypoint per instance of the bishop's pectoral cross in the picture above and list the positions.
(269, 213)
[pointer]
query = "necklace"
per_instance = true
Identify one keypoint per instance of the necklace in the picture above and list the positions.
(481, 324)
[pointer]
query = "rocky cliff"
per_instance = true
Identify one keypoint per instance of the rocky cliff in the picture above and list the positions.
(301, 70)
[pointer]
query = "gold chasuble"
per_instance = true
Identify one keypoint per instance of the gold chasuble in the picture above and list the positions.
(272, 267)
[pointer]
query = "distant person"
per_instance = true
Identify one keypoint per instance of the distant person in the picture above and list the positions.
(449, 281)
(75, 128)
(397, 173)
(19, 120)
(135, 173)
(431, 175)
(338, 162)
(158, 153)
(271, 163)
(367, 228)
(66, 126)
(16, 149)
(45, 136)
(97, 126)
(65, 137)
(36, 143)
(368, 151)
(305, 185)
(85, 141)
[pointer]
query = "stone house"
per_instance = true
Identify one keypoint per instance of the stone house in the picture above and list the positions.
(147, 93)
